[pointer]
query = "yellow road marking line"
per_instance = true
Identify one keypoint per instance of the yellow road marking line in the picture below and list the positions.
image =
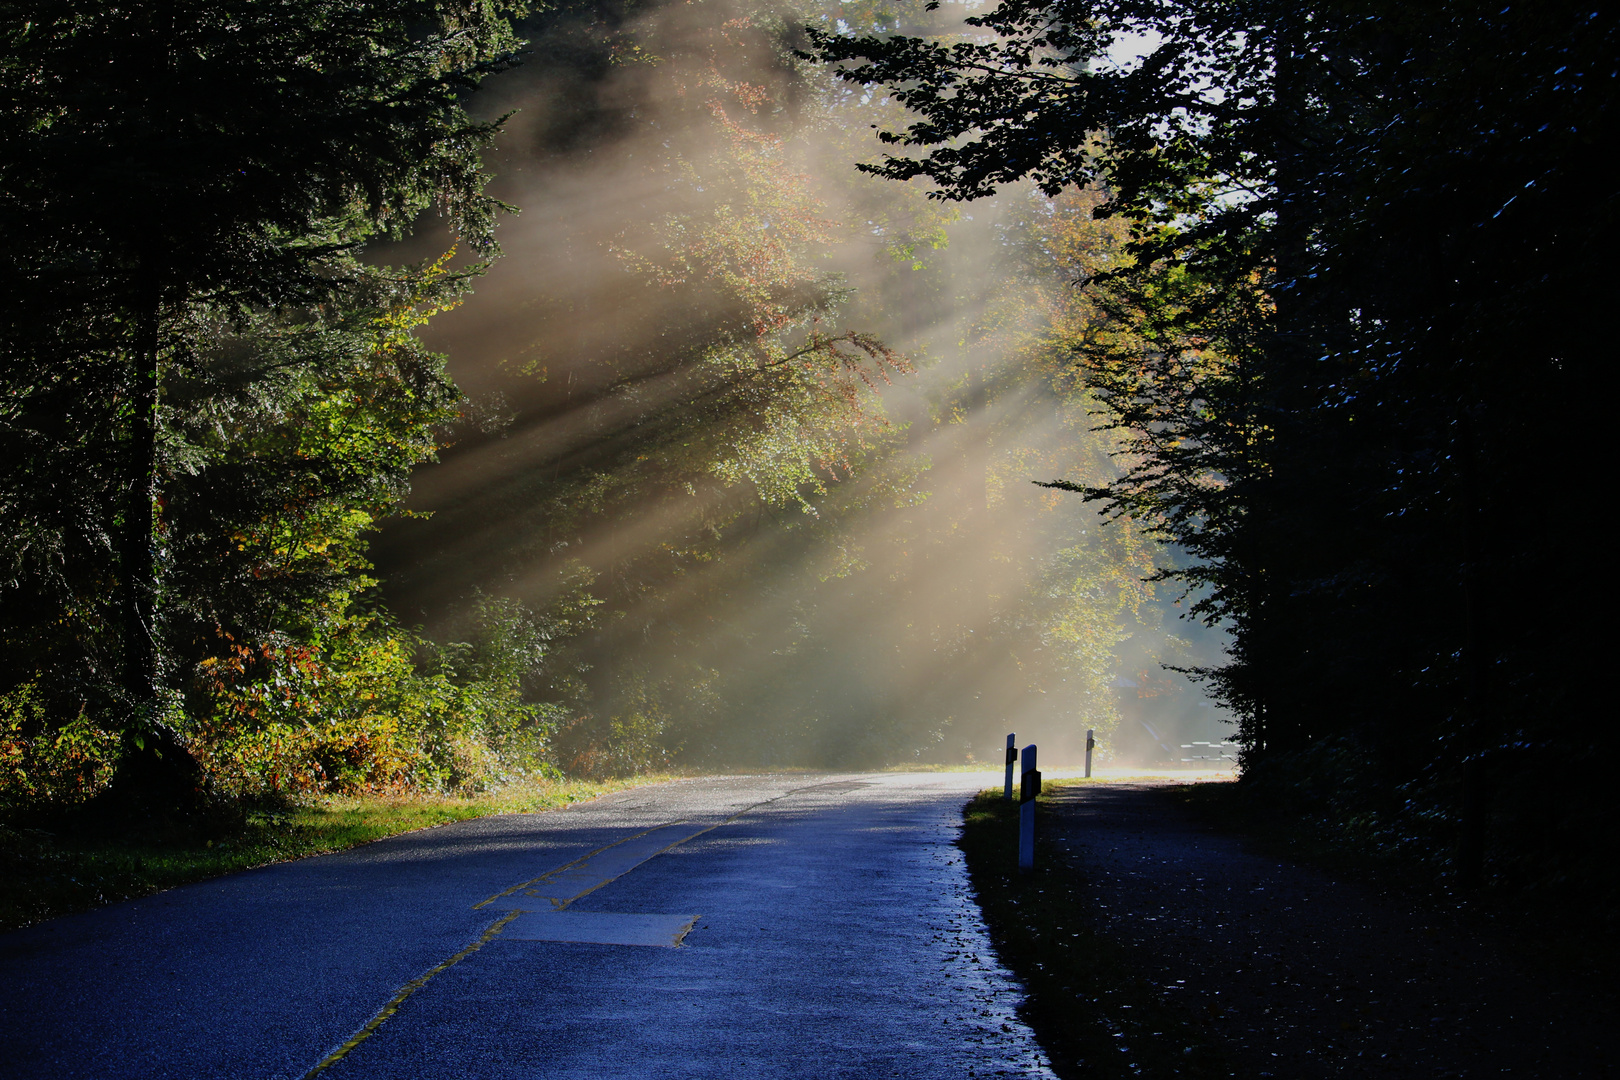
(500, 924)
(558, 905)
(571, 865)
(406, 991)
(687, 929)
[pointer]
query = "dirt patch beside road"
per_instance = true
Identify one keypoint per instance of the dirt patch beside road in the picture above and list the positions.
(1295, 972)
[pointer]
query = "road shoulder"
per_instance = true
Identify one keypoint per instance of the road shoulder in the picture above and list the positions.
(1262, 965)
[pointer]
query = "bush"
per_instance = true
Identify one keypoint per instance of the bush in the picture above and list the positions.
(377, 709)
(48, 764)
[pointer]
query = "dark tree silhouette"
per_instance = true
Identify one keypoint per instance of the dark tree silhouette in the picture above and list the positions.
(1370, 242)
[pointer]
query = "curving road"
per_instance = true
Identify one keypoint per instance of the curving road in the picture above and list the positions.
(759, 927)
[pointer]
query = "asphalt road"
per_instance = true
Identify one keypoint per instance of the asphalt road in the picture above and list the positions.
(760, 927)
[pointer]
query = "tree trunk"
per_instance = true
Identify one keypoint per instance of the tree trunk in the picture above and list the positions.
(137, 559)
(156, 775)
(1265, 644)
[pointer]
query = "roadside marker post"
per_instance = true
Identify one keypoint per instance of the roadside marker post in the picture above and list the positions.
(1012, 756)
(1091, 744)
(1027, 790)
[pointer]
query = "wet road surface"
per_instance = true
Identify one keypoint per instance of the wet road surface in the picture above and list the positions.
(766, 926)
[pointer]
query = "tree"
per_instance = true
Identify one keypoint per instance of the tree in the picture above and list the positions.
(174, 175)
(783, 575)
(1365, 239)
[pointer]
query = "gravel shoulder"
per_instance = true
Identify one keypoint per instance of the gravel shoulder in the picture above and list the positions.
(1298, 972)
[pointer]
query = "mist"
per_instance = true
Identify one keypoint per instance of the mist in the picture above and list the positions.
(781, 560)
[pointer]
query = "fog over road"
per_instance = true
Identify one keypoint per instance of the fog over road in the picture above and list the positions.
(760, 926)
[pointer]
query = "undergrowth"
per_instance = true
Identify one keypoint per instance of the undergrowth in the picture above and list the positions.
(1565, 929)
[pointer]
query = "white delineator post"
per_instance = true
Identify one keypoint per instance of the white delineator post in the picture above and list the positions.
(1012, 756)
(1027, 790)
(1091, 743)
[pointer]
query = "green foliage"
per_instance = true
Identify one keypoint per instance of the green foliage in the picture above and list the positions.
(215, 396)
(207, 400)
(375, 708)
(42, 762)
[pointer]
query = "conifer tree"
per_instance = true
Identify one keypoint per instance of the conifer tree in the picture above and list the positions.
(1366, 239)
(167, 170)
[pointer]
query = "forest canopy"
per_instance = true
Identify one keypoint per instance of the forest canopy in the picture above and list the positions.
(851, 383)
(310, 489)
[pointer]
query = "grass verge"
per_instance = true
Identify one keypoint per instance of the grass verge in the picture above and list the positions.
(45, 874)
(1093, 1015)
